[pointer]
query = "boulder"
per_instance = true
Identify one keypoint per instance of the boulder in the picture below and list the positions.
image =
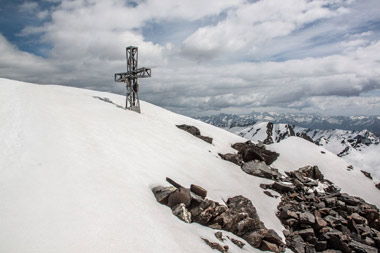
(234, 158)
(182, 213)
(162, 193)
(181, 195)
(250, 152)
(312, 172)
(260, 169)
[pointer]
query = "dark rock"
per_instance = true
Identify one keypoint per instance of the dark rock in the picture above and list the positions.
(282, 187)
(205, 138)
(162, 193)
(195, 131)
(260, 169)
(215, 226)
(190, 129)
(305, 136)
(250, 152)
(378, 186)
(234, 158)
(198, 190)
(357, 218)
(219, 236)
(273, 237)
(268, 193)
(181, 195)
(182, 213)
(268, 246)
(312, 172)
(362, 248)
(269, 139)
(255, 238)
(320, 223)
(367, 174)
(215, 245)
(238, 243)
(265, 186)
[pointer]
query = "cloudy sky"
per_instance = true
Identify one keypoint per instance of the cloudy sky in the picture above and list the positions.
(207, 56)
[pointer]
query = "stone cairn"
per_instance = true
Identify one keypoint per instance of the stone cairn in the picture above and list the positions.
(237, 216)
(316, 215)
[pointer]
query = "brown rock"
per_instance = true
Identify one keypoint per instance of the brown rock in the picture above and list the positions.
(198, 190)
(181, 195)
(234, 158)
(162, 193)
(320, 223)
(215, 245)
(219, 236)
(205, 138)
(238, 243)
(268, 246)
(367, 174)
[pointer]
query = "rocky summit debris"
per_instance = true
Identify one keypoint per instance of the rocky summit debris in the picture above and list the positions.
(238, 216)
(319, 218)
(250, 151)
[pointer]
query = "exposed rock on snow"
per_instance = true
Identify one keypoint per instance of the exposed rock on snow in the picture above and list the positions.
(238, 216)
(326, 220)
(195, 131)
(367, 174)
(260, 169)
(234, 158)
(250, 151)
(215, 245)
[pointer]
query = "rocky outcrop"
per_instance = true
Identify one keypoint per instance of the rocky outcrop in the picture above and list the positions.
(367, 174)
(250, 151)
(234, 158)
(260, 169)
(195, 131)
(238, 216)
(318, 217)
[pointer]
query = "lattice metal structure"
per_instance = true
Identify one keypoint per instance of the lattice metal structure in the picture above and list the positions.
(130, 79)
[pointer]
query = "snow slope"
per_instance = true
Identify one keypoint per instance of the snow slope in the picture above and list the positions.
(76, 173)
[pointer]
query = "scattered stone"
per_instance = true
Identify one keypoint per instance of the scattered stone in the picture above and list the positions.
(323, 152)
(182, 213)
(378, 186)
(260, 169)
(198, 190)
(367, 174)
(350, 167)
(234, 158)
(215, 245)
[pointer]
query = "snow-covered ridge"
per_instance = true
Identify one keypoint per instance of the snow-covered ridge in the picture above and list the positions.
(77, 172)
(360, 148)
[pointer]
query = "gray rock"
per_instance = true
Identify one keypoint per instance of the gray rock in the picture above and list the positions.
(190, 129)
(307, 218)
(260, 169)
(181, 195)
(182, 213)
(306, 232)
(162, 193)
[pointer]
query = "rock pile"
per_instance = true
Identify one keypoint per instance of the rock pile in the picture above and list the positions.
(318, 217)
(195, 131)
(254, 159)
(238, 216)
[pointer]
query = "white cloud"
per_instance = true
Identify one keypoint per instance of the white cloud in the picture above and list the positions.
(28, 7)
(88, 40)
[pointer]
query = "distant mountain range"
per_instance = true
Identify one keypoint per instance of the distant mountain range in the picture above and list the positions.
(313, 121)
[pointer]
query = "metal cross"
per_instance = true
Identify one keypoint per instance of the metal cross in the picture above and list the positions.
(130, 79)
